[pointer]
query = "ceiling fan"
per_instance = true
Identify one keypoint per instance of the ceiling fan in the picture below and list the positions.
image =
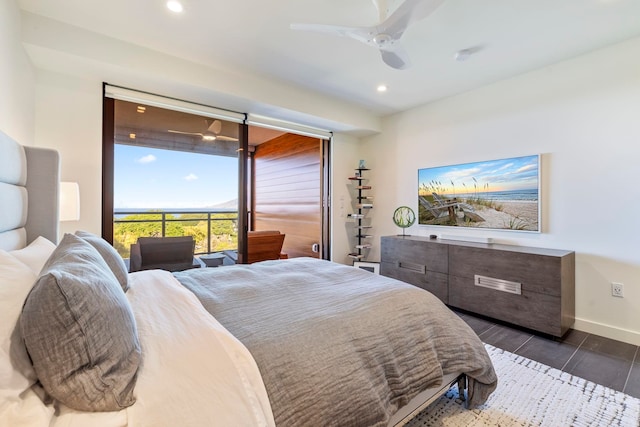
(386, 35)
(211, 134)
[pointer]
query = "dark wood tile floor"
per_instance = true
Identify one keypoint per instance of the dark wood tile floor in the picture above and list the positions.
(611, 363)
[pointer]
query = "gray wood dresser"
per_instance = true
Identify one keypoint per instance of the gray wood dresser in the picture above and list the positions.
(530, 287)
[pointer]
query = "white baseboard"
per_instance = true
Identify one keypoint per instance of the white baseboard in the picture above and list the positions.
(607, 331)
(466, 238)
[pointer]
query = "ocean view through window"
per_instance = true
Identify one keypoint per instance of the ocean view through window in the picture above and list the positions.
(161, 192)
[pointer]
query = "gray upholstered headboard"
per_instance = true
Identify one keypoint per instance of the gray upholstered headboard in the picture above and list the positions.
(29, 183)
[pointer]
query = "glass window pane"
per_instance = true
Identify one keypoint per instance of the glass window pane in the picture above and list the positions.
(175, 174)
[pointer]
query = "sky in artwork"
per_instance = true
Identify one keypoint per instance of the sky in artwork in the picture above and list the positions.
(148, 178)
(513, 174)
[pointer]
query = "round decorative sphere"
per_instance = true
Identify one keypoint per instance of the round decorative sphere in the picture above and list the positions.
(404, 217)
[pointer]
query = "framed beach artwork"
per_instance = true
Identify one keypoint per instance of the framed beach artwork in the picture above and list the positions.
(499, 194)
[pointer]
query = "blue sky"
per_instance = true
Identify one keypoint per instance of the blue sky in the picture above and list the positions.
(518, 173)
(152, 178)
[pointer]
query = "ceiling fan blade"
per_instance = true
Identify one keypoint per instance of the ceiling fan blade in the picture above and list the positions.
(408, 12)
(396, 58)
(362, 34)
(382, 8)
(184, 133)
(386, 35)
(215, 127)
(226, 138)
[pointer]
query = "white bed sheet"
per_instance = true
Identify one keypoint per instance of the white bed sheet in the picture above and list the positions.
(194, 372)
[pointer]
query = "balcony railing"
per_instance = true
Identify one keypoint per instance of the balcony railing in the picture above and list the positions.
(212, 230)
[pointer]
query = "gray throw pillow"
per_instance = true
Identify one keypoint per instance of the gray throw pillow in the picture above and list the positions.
(80, 332)
(110, 255)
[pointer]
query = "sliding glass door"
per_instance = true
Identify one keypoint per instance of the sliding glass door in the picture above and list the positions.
(172, 173)
(173, 168)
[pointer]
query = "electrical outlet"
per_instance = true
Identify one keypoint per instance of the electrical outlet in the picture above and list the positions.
(617, 289)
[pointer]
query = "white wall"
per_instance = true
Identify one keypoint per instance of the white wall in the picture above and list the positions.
(17, 89)
(582, 116)
(70, 50)
(69, 119)
(344, 158)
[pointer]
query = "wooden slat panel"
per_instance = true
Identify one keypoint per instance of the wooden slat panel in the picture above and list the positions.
(285, 191)
(288, 178)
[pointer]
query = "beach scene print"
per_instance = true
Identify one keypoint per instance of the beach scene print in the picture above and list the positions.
(498, 194)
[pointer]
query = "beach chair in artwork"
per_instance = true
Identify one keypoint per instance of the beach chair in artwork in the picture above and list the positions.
(438, 211)
(467, 209)
(440, 202)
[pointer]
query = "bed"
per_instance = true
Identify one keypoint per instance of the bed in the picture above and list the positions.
(293, 342)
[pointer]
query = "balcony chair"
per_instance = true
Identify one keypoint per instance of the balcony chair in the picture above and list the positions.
(164, 253)
(262, 246)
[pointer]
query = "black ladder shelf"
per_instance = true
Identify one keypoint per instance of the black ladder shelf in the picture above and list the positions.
(363, 204)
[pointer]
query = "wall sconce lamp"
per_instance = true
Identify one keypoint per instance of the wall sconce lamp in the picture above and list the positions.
(69, 201)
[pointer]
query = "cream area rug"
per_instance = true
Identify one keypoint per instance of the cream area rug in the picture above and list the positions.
(532, 394)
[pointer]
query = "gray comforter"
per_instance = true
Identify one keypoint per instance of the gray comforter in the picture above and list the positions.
(337, 345)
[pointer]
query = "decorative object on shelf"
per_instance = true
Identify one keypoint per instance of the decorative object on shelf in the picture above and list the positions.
(404, 217)
(362, 204)
(371, 267)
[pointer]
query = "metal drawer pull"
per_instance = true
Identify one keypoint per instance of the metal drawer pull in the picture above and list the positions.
(418, 268)
(498, 284)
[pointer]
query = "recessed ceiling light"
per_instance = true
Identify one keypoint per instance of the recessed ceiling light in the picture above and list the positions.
(381, 88)
(141, 109)
(132, 136)
(175, 6)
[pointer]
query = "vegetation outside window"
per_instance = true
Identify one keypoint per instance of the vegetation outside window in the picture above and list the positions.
(175, 174)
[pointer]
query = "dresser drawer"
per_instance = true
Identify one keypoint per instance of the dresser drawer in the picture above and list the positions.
(419, 254)
(432, 281)
(535, 272)
(531, 310)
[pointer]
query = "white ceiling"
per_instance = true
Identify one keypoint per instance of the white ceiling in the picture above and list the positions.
(254, 36)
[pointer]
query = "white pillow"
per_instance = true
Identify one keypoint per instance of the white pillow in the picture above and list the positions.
(36, 254)
(16, 280)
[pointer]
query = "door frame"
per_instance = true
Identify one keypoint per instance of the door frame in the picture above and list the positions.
(245, 180)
